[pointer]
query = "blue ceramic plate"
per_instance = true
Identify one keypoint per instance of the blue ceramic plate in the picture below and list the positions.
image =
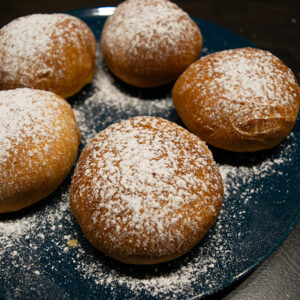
(44, 254)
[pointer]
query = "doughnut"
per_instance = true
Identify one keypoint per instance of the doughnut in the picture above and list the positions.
(149, 43)
(145, 190)
(39, 141)
(53, 52)
(240, 100)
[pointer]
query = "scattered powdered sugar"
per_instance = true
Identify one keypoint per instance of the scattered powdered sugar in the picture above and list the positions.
(171, 280)
(35, 244)
(38, 261)
(112, 101)
(222, 250)
(234, 177)
(15, 231)
(28, 240)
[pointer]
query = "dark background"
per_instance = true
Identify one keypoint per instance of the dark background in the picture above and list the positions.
(271, 25)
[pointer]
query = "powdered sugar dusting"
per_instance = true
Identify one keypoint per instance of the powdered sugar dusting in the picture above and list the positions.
(35, 244)
(217, 255)
(255, 72)
(241, 87)
(246, 74)
(24, 114)
(32, 49)
(36, 260)
(144, 26)
(112, 102)
(144, 185)
(250, 173)
(32, 123)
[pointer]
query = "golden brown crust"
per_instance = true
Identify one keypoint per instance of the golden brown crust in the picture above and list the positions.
(239, 100)
(54, 52)
(145, 191)
(149, 43)
(38, 149)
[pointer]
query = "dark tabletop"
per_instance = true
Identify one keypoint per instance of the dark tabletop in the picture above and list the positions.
(271, 25)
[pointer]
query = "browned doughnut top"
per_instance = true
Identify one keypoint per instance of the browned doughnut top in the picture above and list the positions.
(39, 140)
(240, 100)
(54, 52)
(145, 190)
(149, 43)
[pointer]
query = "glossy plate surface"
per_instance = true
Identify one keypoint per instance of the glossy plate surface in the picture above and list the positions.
(43, 254)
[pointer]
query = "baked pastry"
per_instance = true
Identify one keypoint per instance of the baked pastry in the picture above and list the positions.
(239, 100)
(39, 140)
(145, 190)
(54, 52)
(149, 43)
